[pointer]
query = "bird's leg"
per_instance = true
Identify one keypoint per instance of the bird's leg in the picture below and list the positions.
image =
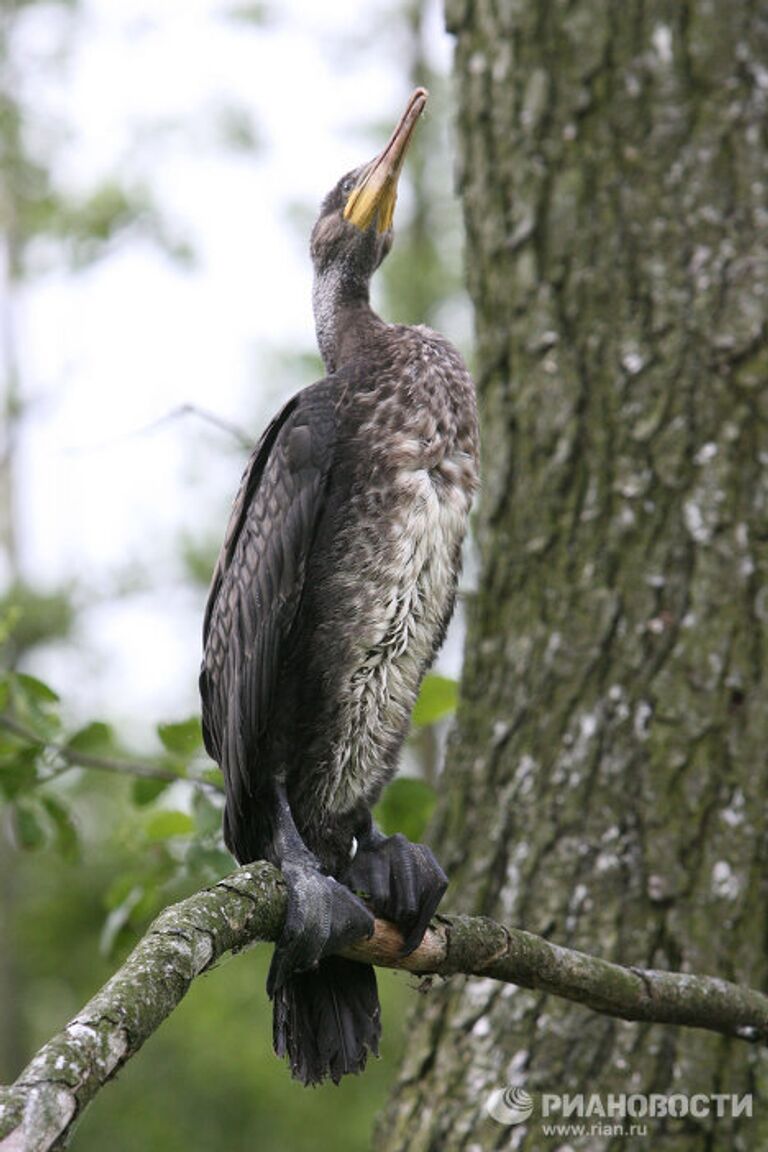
(322, 916)
(400, 881)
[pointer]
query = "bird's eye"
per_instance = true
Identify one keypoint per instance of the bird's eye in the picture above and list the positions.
(347, 185)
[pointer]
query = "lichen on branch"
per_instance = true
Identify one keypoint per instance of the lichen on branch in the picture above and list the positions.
(37, 1113)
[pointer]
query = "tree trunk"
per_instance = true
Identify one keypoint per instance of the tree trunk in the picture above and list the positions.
(607, 780)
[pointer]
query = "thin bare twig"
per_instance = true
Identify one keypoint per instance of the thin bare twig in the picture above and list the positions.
(71, 758)
(179, 412)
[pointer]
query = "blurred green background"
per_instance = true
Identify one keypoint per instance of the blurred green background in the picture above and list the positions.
(160, 168)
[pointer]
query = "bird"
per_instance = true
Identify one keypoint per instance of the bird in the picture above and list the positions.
(330, 598)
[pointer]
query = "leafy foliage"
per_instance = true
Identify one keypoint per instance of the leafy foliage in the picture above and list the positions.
(96, 738)
(406, 807)
(30, 616)
(169, 801)
(146, 842)
(182, 739)
(437, 700)
(173, 796)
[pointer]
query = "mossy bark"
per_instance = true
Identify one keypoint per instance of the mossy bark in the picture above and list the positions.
(607, 782)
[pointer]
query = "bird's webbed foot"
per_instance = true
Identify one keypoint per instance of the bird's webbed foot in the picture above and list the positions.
(322, 917)
(401, 882)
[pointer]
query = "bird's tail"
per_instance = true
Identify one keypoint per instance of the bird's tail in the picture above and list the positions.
(327, 1020)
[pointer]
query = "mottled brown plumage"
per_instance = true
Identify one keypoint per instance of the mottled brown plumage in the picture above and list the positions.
(332, 593)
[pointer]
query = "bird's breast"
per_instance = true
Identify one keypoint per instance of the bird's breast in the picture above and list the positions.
(409, 449)
(397, 584)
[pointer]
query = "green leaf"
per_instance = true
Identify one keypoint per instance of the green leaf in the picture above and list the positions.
(33, 703)
(144, 791)
(406, 807)
(207, 863)
(18, 770)
(35, 690)
(437, 699)
(184, 738)
(29, 830)
(66, 837)
(95, 739)
(166, 824)
(119, 918)
(207, 815)
(152, 900)
(119, 889)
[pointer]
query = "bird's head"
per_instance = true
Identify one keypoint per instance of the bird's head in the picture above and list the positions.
(354, 230)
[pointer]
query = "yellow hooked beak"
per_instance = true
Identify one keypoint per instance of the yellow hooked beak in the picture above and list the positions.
(375, 196)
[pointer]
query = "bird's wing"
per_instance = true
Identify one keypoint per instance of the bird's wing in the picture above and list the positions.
(259, 579)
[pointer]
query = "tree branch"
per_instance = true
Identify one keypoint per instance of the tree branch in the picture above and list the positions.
(37, 1112)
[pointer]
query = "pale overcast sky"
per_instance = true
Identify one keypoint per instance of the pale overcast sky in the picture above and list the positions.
(114, 349)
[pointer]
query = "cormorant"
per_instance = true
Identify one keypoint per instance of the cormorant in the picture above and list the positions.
(330, 598)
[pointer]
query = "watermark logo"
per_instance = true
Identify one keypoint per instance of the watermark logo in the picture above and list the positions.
(614, 1113)
(510, 1105)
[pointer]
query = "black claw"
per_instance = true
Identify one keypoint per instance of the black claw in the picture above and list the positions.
(429, 893)
(403, 882)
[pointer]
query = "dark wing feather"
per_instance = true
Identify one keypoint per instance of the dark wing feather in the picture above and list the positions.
(258, 583)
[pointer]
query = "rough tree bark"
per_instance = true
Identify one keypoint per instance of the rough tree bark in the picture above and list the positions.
(606, 786)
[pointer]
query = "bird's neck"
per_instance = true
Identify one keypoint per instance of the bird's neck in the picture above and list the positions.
(344, 320)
